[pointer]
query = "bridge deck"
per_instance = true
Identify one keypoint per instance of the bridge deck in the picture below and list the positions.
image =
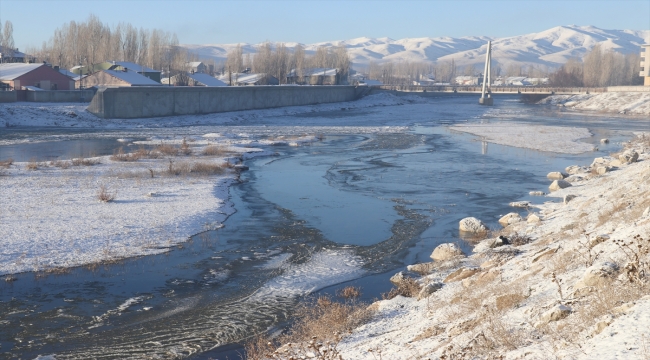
(495, 90)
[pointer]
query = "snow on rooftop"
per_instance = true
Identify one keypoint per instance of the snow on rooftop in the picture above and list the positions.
(132, 77)
(14, 70)
(315, 71)
(133, 66)
(207, 80)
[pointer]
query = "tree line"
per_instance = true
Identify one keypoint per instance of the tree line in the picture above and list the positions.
(599, 68)
(278, 61)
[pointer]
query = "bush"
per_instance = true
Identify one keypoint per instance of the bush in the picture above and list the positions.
(104, 195)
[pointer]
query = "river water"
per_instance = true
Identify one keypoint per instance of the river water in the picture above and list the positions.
(351, 209)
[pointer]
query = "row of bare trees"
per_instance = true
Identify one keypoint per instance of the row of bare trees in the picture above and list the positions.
(7, 39)
(92, 42)
(599, 68)
(278, 60)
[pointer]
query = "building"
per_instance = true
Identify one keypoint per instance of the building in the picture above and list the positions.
(11, 56)
(241, 79)
(314, 76)
(467, 80)
(196, 79)
(150, 73)
(645, 64)
(15, 76)
(115, 78)
(197, 67)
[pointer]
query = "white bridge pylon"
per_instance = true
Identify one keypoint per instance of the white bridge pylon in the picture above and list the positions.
(486, 92)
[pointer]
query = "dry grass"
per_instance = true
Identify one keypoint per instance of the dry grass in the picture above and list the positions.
(517, 239)
(82, 161)
(215, 150)
(120, 155)
(168, 150)
(198, 168)
(62, 164)
(408, 287)
(104, 195)
(320, 323)
(6, 163)
(349, 293)
(32, 165)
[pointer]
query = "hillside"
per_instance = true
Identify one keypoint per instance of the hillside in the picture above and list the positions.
(547, 48)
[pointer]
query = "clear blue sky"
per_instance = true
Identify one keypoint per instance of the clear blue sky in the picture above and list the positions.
(222, 21)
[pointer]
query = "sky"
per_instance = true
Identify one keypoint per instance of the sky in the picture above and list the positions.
(311, 21)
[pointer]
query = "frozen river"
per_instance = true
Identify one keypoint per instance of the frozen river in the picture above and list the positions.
(353, 208)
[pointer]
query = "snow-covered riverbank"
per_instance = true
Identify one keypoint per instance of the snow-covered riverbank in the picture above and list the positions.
(573, 283)
(630, 103)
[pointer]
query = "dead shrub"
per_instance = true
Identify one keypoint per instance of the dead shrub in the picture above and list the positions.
(509, 301)
(120, 155)
(168, 150)
(81, 161)
(104, 195)
(62, 164)
(517, 239)
(430, 332)
(408, 287)
(349, 292)
(185, 148)
(6, 163)
(199, 168)
(215, 150)
(32, 165)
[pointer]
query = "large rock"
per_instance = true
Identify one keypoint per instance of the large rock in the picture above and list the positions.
(423, 268)
(596, 274)
(510, 218)
(472, 225)
(575, 169)
(558, 312)
(602, 170)
(604, 141)
(520, 204)
(559, 184)
(446, 252)
(629, 157)
(429, 289)
(555, 175)
(533, 219)
(536, 193)
(397, 278)
(568, 197)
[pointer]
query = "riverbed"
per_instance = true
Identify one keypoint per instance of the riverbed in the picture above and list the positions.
(380, 189)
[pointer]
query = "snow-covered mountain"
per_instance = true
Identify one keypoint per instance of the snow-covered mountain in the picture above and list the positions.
(551, 47)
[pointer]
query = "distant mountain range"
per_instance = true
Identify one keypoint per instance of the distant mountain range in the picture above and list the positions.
(552, 47)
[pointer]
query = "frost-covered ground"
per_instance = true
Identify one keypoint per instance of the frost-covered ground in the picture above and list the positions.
(631, 103)
(507, 303)
(537, 137)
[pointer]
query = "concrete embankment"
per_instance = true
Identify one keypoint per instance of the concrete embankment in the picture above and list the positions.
(142, 102)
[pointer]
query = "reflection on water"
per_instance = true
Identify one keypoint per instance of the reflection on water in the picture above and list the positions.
(387, 200)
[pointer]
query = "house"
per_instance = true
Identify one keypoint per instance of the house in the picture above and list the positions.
(197, 67)
(11, 56)
(152, 74)
(17, 75)
(115, 78)
(645, 64)
(241, 79)
(468, 80)
(314, 76)
(196, 79)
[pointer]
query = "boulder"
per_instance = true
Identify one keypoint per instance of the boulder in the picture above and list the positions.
(446, 252)
(429, 289)
(533, 219)
(510, 218)
(628, 157)
(601, 161)
(574, 178)
(559, 184)
(575, 169)
(604, 141)
(520, 204)
(602, 170)
(499, 241)
(602, 324)
(568, 197)
(460, 274)
(555, 175)
(595, 274)
(537, 193)
(424, 268)
(472, 225)
(615, 163)
(558, 312)
(397, 278)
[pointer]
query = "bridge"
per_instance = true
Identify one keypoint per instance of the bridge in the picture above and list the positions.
(494, 90)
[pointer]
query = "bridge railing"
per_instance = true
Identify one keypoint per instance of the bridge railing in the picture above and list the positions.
(494, 89)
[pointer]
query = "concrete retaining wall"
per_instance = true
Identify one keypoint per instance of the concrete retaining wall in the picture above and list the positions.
(8, 96)
(141, 102)
(60, 96)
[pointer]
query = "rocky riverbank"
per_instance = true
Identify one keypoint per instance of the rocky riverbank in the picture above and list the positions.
(630, 103)
(567, 280)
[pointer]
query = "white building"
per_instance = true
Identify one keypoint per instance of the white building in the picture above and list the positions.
(645, 64)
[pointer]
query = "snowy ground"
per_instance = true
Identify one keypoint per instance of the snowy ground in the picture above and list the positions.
(501, 307)
(631, 103)
(543, 138)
